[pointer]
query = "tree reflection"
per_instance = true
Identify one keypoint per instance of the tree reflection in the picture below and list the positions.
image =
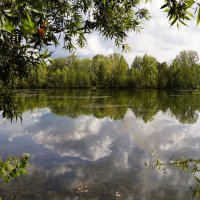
(114, 104)
(73, 161)
(9, 107)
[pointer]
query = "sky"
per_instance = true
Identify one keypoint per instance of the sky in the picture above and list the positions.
(156, 38)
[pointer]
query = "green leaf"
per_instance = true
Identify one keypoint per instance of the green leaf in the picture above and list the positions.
(182, 22)
(189, 13)
(35, 5)
(173, 21)
(28, 25)
(197, 179)
(10, 13)
(2, 22)
(164, 6)
(23, 171)
(19, 2)
(198, 16)
(17, 174)
(146, 164)
(194, 193)
(6, 179)
(9, 26)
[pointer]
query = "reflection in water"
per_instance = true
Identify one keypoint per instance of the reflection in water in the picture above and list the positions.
(81, 150)
(193, 165)
(113, 104)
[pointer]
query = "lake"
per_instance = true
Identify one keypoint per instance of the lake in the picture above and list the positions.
(93, 144)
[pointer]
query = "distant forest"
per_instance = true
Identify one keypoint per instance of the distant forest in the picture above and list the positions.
(113, 72)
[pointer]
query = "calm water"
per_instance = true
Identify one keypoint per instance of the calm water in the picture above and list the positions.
(94, 144)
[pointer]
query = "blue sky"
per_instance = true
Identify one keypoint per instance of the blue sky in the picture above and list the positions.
(157, 39)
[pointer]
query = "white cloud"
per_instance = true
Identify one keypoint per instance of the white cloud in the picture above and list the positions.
(157, 39)
(94, 46)
(160, 40)
(117, 148)
(90, 138)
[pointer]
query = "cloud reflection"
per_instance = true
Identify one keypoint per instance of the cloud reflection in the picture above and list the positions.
(106, 155)
(90, 138)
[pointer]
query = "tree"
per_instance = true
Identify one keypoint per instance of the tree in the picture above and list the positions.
(149, 71)
(102, 71)
(58, 63)
(163, 75)
(28, 26)
(135, 72)
(119, 70)
(182, 70)
(187, 58)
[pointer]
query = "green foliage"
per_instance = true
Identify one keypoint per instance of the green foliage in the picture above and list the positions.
(182, 164)
(196, 189)
(149, 71)
(113, 103)
(185, 71)
(26, 27)
(13, 167)
(113, 72)
(181, 11)
(163, 75)
(120, 69)
(8, 106)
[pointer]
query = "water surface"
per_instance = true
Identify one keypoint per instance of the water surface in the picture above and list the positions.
(92, 144)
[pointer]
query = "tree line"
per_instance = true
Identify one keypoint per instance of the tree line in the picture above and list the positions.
(112, 71)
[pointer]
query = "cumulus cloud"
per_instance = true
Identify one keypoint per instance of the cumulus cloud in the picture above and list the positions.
(162, 41)
(157, 39)
(95, 45)
(90, 138)
(16, 128)
(112, 149)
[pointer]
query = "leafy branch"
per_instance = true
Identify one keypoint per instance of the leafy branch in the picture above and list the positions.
(179, 12)
(13, 167)
(182, 164)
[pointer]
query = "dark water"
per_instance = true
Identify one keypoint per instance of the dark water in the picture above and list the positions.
(94, 144)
